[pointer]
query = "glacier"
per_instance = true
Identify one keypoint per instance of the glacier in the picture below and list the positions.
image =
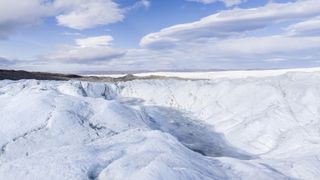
(257, 127)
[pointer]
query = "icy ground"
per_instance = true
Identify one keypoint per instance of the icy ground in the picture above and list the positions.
(223, 128)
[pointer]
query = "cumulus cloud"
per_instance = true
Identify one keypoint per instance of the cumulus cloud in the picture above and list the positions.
(228, 3)
(18, 14)
(231, 22)
(86, 50)
(75, 14)
(310, 27)
(84, 14)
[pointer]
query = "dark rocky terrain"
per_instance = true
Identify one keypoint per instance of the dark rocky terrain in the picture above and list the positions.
(18, 75)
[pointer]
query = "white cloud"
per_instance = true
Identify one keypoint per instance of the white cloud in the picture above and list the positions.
(75, 14)
(98, 41)
(84, 14)
(245, 52)
(227, 53)
(15, 14)
(24, 11)
(204, 1)
(309, 27)
(230, 53)
(221, 41)
(231, 22)
(228, 3)
(146, 3)
(87, 50)
(233, 2)
(214, 42)
(143, 3)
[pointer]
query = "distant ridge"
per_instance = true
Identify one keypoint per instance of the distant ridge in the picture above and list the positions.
(17, 75)
(20, 74)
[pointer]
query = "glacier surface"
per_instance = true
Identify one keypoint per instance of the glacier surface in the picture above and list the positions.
(222, 128)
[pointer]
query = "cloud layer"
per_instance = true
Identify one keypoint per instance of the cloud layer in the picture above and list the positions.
(228, 3)
(86, 51)
(231, 22)
(271, 36)
(309, 27)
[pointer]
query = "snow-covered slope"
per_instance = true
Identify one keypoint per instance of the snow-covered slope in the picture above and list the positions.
(223, 128)
(216, 74)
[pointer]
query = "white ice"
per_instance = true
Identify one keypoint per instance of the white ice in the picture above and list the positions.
(258, 127)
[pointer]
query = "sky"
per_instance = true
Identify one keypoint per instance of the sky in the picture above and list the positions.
(151, 35)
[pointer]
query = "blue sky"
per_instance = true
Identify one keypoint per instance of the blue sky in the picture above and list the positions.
(121, 35)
